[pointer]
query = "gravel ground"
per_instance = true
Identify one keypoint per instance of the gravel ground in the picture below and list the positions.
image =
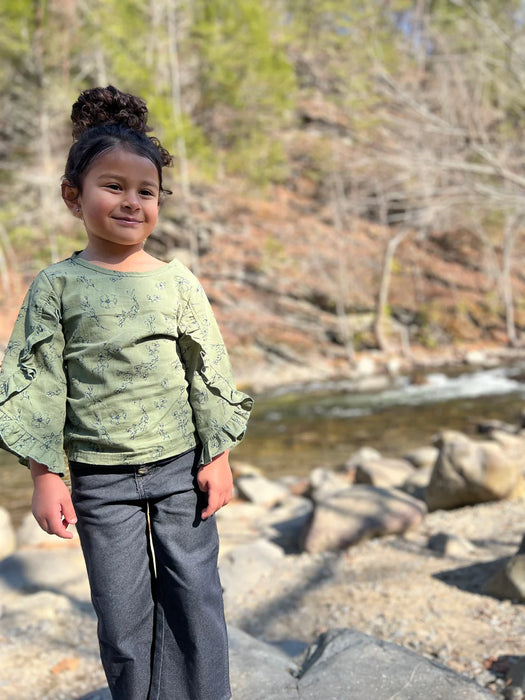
(397, 589)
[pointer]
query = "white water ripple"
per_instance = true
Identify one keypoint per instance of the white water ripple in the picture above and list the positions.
(438, 387)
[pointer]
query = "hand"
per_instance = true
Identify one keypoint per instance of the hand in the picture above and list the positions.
(52, 505)
(216, 480)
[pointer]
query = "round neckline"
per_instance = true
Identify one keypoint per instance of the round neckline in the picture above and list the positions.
(119, 273)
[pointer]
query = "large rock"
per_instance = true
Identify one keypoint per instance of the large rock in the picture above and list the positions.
(7, 534)
(260, 490)
(350, 664)
(359, 512)
(259, 671)
(468, 472)
(384, 472)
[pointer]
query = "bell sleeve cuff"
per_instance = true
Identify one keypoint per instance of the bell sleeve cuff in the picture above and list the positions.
(33, 386)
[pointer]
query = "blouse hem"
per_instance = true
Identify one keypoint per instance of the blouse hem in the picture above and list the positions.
(115, 460)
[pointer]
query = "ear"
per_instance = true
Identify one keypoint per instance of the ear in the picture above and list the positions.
(70, 196)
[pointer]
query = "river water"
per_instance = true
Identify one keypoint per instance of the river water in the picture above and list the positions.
(293, 432)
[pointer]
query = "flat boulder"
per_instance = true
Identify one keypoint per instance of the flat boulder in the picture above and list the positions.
(259, 671)
(384, 472)
(359, 512)
(469, 472)
(349, 664)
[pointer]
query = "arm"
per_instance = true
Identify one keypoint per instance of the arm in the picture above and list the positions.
(52, 505)
(219, 409)
(216, 480)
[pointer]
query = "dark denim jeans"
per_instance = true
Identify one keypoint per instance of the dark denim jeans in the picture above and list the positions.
(152, 567)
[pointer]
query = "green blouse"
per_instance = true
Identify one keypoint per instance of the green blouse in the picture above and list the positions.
(108, 367)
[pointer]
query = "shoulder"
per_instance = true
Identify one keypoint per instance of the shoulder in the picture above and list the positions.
(185, 279)
(180, 271)
(64, 268)
(53, 278)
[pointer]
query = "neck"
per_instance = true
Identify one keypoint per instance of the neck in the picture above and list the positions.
(127, 259)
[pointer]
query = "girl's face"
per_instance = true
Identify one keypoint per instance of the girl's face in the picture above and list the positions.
(119, 201)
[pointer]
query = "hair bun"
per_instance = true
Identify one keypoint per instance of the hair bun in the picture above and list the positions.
(108, 105)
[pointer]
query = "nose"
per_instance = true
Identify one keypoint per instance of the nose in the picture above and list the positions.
(131, 200)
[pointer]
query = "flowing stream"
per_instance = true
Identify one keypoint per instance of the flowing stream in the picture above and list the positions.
(292, 433)
(295, 431)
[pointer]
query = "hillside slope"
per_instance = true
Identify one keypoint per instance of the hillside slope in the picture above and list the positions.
(292, 293)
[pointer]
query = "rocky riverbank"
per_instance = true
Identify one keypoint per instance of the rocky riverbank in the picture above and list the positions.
(402, 603)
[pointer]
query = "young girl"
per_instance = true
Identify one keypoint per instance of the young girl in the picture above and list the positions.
(117, 363)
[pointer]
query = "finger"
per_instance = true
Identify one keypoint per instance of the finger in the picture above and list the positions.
(212, 507)
(65, 534)
(68, 512)
(57, 526)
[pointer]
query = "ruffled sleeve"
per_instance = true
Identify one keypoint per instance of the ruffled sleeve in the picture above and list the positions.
(33, 386)
(220, 411)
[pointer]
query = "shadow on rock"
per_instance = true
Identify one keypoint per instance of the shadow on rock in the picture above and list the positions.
(472, 578)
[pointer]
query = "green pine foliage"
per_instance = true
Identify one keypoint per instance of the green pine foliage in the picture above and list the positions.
(246, 85)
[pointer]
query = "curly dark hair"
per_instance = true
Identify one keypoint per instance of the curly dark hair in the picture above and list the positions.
(106, 118)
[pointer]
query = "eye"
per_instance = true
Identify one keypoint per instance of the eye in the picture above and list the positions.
(113, 186)
(147, 193)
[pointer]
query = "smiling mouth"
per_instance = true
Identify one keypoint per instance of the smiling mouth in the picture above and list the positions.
(126, 220)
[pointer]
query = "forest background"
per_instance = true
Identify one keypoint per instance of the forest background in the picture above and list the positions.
(349, 176)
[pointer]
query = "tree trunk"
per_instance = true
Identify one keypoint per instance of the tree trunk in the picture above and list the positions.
(176, 101)
(384, 289)
(509, 237)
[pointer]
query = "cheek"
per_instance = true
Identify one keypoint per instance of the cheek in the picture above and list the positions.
(153, 212)
(97, 205)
